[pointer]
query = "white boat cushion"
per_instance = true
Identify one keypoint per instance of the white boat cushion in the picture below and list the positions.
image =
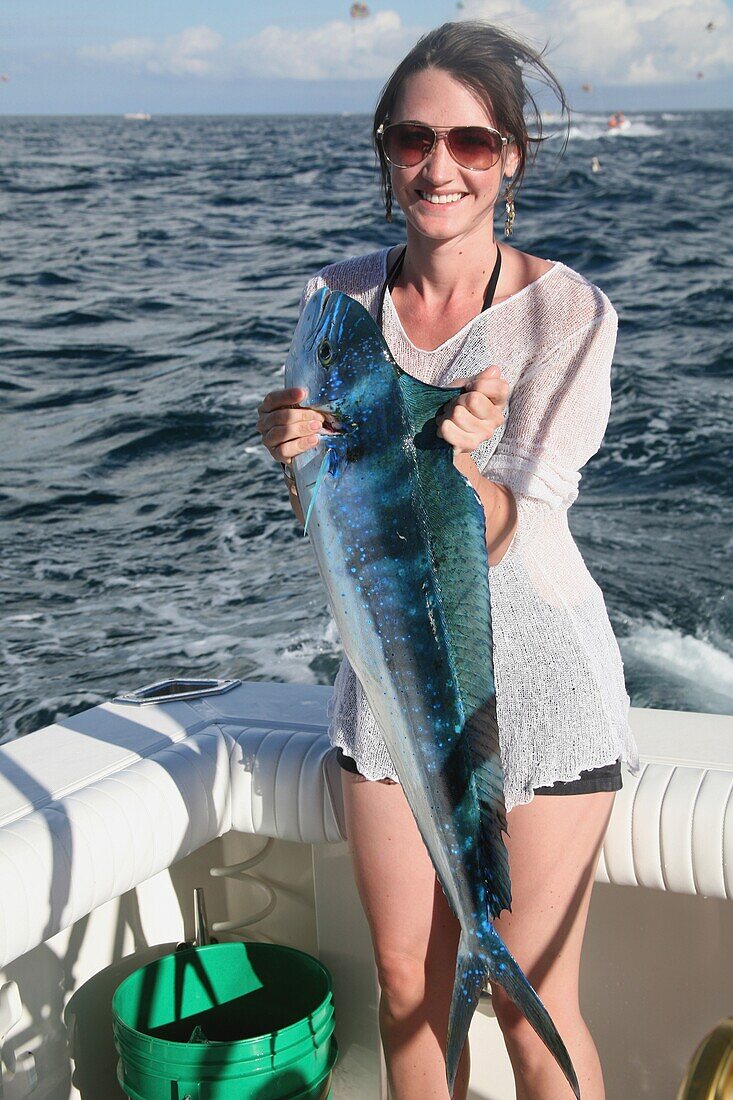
(92, 807)
(60, 861)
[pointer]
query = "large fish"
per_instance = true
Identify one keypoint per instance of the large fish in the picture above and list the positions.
(399, 538)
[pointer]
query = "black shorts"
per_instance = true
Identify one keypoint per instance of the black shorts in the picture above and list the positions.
(606, 778)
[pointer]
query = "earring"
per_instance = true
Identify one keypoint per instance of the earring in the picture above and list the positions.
(388, 199)
(508, 211)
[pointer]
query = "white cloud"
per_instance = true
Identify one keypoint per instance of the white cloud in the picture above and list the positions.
(616, 41)
(623, 41)
(336, 51)
(193, 52)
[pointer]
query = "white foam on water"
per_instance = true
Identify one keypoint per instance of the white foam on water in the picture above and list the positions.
(638, 128)
(697, 669)
(293, 651)
(331, 634)
(218, 647)
(590, 130)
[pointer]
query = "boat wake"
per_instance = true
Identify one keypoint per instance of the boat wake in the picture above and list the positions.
(676, 665)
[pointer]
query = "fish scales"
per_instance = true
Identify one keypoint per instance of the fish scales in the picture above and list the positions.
(399, 540)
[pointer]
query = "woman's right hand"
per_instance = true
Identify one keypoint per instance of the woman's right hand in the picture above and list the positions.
(286, 428)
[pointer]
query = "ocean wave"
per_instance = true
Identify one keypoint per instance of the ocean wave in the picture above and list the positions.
(689, 669)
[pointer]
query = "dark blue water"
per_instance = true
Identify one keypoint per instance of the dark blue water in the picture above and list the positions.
(150, 278)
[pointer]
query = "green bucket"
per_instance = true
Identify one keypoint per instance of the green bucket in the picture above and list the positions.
(229, 1021)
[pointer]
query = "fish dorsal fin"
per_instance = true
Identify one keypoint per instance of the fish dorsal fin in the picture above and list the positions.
(423, 401)
(458, 545)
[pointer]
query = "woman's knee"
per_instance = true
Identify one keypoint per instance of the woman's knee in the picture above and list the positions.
(408, 982)
(401, 978)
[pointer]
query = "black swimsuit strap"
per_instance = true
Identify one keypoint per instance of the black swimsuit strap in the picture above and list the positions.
(390, 281)
(491, 288)
(394, 271)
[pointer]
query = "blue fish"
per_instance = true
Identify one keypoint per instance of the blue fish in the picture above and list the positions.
(400, 543)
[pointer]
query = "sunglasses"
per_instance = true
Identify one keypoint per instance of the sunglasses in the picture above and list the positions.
(406, 144)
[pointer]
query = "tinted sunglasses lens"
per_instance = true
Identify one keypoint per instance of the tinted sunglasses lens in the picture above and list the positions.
(406, 145)
(473, 147)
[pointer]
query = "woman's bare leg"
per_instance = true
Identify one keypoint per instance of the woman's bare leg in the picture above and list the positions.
(554, 846)
(414, 934)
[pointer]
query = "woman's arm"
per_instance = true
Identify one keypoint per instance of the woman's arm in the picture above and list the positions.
(467, 422)
(558, 412)
(499, 504)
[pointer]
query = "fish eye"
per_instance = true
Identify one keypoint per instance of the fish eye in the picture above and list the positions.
(325, 353)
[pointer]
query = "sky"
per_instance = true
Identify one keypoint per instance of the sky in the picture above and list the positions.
(245, 57)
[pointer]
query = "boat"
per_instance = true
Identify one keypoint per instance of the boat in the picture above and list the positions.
(139, 116)
(109, 821)
(618, 122)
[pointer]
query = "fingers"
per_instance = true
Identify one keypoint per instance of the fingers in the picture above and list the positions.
(491, 383)
(291, 438)
(290, 416)
(277, 399)
(458, 438)
(285, 427)
(474, 415)
(288, 450)
(474, 412)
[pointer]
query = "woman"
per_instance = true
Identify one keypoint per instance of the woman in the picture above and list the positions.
(532, 342)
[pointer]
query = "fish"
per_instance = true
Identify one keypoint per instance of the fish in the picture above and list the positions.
(399, 539)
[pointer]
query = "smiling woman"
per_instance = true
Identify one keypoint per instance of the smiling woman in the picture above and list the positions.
(489, 68)
(528, 344)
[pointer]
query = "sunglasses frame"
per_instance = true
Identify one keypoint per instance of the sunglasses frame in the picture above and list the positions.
(438, 133)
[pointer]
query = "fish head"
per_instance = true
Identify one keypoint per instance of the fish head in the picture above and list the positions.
(339, 356)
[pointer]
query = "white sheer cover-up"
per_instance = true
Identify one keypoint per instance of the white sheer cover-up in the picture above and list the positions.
(561, 700)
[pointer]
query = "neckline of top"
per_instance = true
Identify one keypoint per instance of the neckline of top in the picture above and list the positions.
(556, 265)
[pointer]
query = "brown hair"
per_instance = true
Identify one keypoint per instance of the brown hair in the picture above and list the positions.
(488, 60)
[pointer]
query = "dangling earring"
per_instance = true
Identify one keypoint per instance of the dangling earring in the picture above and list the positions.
(508, 211)
(388, 199)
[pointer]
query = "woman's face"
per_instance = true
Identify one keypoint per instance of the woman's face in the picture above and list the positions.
(435, 97)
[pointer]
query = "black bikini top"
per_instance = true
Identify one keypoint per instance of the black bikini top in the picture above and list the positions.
(394, 271)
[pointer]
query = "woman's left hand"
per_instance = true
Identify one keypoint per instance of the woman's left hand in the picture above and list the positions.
(474, 416)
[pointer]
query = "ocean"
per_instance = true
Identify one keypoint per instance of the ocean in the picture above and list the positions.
(151, 273)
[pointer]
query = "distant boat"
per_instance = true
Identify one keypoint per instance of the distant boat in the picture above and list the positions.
(618, 121)
(139, 116)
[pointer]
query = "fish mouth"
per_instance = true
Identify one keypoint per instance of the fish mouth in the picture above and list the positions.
(332, 421)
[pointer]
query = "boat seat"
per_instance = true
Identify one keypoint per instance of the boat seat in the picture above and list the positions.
(94, 805)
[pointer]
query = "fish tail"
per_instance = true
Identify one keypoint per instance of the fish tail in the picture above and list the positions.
(485, 957)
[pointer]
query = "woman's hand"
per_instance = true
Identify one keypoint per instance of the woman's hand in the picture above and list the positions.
(286, 428)
(474, 416)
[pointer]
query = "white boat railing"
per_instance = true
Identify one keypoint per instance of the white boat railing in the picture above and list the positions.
(92, 806)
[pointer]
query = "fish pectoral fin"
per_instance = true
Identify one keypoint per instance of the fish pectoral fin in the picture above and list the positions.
(316, 487)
